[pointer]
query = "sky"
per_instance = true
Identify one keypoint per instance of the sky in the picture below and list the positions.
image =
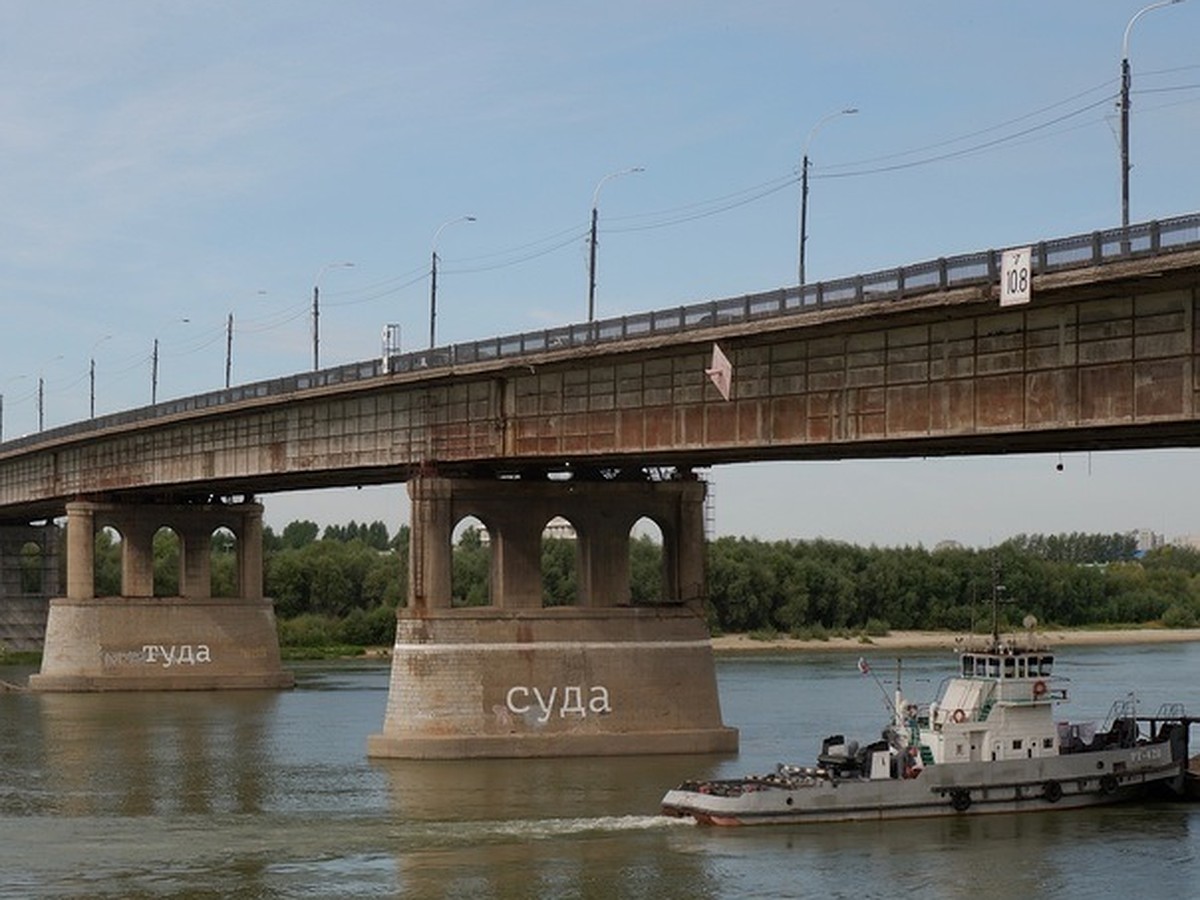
(164, 166)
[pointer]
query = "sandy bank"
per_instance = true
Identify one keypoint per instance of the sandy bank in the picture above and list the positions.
(935, 640)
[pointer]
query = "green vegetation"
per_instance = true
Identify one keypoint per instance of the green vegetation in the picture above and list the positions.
(340, 589)
(811, 587)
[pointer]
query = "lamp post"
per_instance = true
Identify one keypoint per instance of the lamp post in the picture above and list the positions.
(228, 349)
(154, 373)
(1126, 79)
(433, 275)
(92, 377)
(592, 242)
(316, 309)
(41, 397)
(154, 366)
(848, 111)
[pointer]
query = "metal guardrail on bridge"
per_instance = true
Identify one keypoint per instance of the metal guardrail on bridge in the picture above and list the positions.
(1079, 251)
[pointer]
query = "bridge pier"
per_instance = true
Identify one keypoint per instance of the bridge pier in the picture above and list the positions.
(139, 641)
(29, 577)
(516, 679)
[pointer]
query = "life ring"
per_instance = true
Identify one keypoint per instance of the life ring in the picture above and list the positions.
(960, 799)
(1039, 689)
(958, 717)
(1052, 791)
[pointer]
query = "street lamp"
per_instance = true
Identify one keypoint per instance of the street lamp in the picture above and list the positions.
(849, 111)
(228, 349)
(592, 249)
(316, 309)
(92, 377)
(229, 345)
(41, 397)
(433, 274)
(154, 366)
(1124, 103)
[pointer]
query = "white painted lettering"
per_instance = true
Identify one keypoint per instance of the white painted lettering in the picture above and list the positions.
(510, 700)
(572, 702)
(202, 654)
(546, 705)
(599, 702)
(569, 700)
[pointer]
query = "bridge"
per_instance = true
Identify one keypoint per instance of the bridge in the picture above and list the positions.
(584, 421)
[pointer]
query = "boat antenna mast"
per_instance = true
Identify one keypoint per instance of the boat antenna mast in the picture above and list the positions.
(997, 598)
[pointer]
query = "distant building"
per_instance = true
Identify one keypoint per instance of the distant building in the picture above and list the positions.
(557, 528)
(1147, 540)
(1191, 541)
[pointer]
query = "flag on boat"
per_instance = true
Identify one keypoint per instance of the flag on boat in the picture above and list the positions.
(720, 371)
(863, 667)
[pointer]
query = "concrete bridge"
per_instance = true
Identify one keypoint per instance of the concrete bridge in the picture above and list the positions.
(582, 421)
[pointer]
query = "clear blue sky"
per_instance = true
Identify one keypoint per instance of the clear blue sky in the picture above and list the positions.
(188, 160)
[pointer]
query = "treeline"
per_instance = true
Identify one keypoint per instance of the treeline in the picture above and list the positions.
(343, 585)
(804, 587)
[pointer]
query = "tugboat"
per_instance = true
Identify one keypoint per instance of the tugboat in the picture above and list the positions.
(988, 744)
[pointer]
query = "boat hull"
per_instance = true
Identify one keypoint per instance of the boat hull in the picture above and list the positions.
(1049, 783)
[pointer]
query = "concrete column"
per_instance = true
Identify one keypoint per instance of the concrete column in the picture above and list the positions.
(137, 556)
(517, 562)
(430, 533)
(688, 562)
(195, 560)
(81, 551)
(603, 564)
(250, 552)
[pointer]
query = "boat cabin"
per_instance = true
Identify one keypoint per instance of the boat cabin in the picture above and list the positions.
(1000, 665)
(999, 706)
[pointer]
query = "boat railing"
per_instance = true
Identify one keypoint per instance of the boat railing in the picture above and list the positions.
(1125, 708)
(1172, 711)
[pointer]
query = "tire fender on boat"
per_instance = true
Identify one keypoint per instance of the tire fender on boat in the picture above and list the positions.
(960, 799)
(1052, 791)
(958, 717)
(1108, 783)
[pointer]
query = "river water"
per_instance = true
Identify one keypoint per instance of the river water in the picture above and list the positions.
(270, 795)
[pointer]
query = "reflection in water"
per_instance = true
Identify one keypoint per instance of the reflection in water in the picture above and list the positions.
(140, 754)
(544, 828)
(270, 795)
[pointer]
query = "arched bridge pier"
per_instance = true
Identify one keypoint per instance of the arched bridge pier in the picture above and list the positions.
(517, 679)
(139, 641)
(29, 577)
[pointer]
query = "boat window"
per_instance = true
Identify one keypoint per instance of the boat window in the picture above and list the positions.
(993, 666)
(968, 665)
(1009, 666)
(1047, 663)
(1020, 667)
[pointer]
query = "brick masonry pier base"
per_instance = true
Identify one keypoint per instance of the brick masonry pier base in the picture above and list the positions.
(160, 644)
(565, 681)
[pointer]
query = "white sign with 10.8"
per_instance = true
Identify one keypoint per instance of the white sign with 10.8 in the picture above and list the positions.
(1016, 276)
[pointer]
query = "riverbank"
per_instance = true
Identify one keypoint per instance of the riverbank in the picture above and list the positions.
(946, 640)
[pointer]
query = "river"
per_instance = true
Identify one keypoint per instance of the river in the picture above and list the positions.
(270, 795)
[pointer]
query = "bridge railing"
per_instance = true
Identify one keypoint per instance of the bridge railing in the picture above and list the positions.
(1079, 251)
